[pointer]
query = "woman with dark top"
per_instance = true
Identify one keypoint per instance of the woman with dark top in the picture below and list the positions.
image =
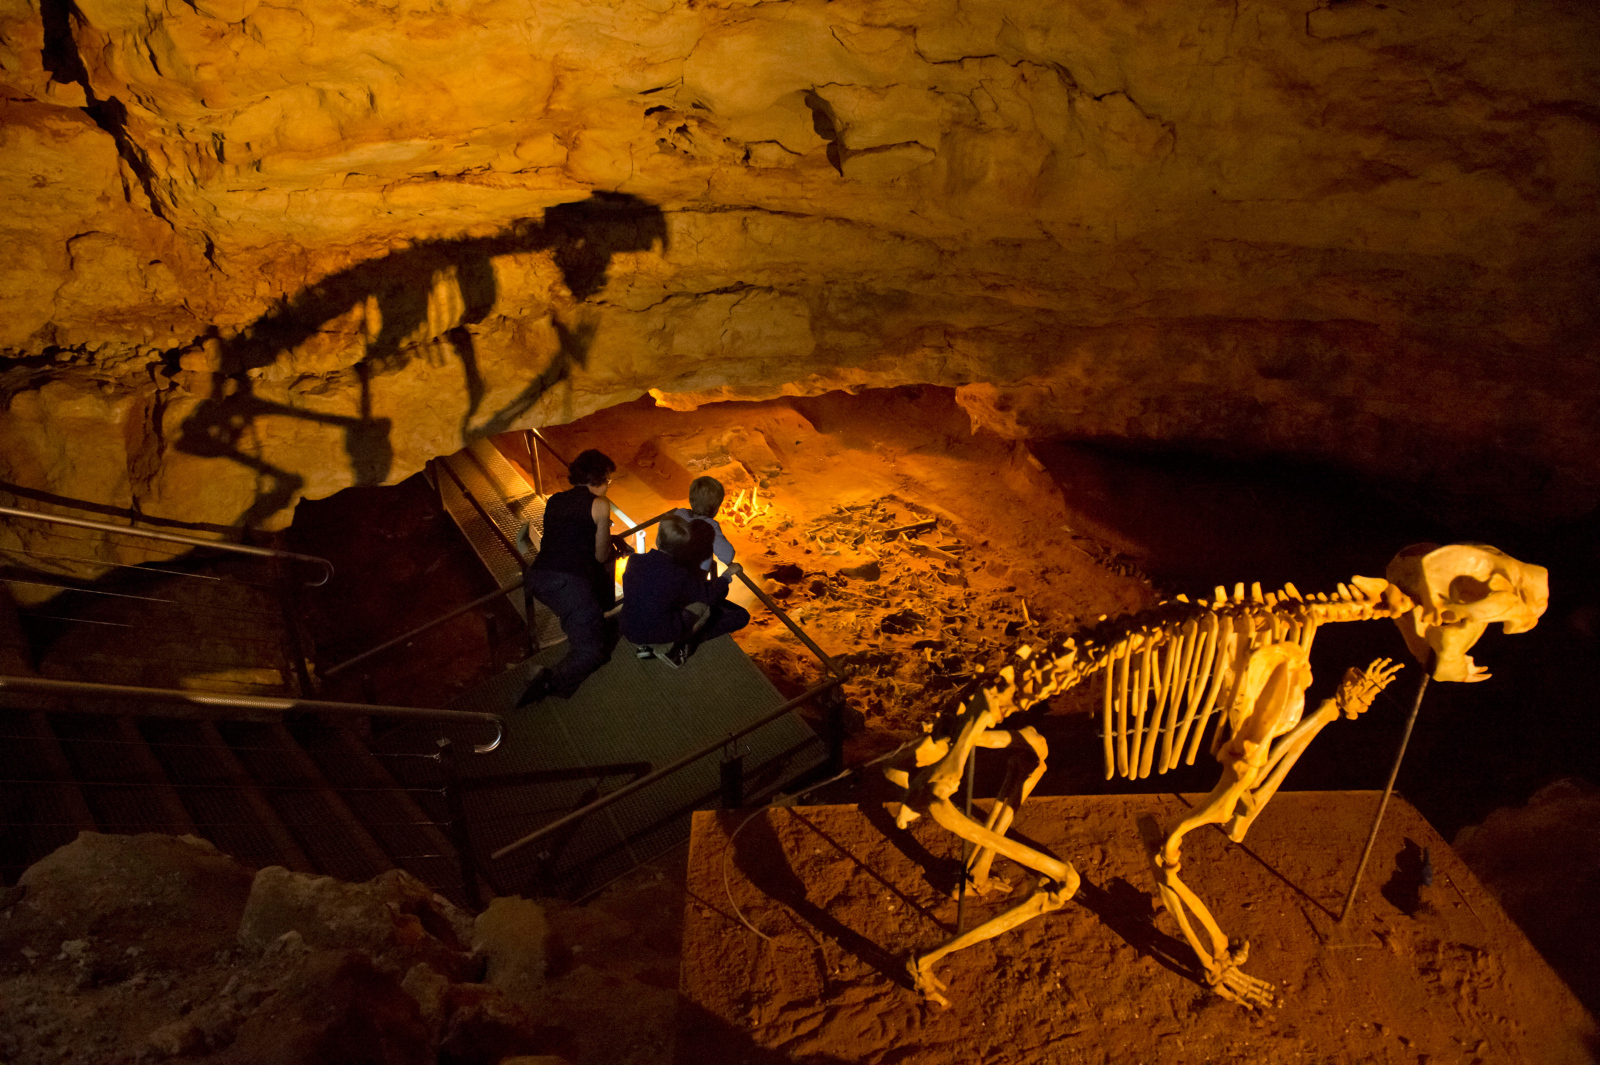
(668, 606)
(572, 574)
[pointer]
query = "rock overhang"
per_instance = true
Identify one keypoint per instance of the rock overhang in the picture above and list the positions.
(287, 251)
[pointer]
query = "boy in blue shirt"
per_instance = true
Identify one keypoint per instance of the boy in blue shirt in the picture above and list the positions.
(669, 607)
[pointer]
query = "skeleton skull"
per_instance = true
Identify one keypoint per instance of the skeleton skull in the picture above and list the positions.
(1457, 592)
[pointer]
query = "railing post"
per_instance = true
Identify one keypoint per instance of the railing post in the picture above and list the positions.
(460, 837)
(533, 457)
(731, 772)
(491, 625)
(291, 622)
(834, 706)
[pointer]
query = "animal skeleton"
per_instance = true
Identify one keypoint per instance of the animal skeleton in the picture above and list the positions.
(1166, 672)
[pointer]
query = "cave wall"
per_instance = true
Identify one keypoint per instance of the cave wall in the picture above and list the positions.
(259, 252)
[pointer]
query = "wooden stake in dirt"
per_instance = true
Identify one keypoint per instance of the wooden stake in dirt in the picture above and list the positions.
(1388, 789)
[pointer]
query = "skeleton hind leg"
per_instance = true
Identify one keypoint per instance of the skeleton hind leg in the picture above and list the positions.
(1023, 770)
(1059, 884)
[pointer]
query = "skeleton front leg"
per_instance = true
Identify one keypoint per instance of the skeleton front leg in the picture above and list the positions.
(1058, 884)
(1356, 692)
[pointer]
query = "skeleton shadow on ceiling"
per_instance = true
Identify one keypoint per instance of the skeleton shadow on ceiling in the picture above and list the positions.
(397, 289)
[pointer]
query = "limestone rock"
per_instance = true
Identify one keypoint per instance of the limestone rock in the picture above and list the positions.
(251, 262)
(510, 935)
(394, 919)
(337, 1009)
(430, 989)
(486, 1026)
(127, 902)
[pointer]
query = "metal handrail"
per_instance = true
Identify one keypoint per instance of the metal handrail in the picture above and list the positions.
(537, 435)
(666, 770)
(450, 615)
(193, 541)
(505, 589)
(228, 701)
(771, 604)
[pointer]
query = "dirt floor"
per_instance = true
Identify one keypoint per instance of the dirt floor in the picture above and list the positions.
(1421, 973)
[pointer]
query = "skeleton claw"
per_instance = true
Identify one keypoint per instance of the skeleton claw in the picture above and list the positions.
(926, 984)
(1226, 979)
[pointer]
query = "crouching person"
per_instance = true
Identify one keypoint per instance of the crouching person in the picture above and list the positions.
(572, 574)
(668, 609)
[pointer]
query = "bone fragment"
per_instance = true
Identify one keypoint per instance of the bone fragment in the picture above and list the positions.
(1166, 673)
(1141, 696)
(1125, 653)
(1105, 719)
(1178, 701)
(1205, 653)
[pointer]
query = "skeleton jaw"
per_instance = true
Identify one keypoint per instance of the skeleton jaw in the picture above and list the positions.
(1458, 591)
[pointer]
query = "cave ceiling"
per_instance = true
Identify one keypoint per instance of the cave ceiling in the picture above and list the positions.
(255, 252)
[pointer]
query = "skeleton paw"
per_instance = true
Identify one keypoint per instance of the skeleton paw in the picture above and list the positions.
(1232, 984)
(1235, 986)
(926, 984)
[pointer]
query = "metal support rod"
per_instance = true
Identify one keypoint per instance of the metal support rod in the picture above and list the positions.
(533, 456)
(174, 538)
(228, 701)
(800, 634)
(537, 435)
(460, 834)
(1388, 789)
(505, 589)
(666, 770)
(835, 705)
(970, 770)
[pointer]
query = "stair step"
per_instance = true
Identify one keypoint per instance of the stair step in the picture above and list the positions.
(405, 819)
(328, 832)
(115, 778)
(229, 808)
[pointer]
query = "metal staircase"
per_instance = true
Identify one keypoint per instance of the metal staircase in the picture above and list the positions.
(647, 744)
(309, 795)
(106, 740)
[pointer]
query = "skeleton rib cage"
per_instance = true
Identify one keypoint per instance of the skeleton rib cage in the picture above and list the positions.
(1168, 670)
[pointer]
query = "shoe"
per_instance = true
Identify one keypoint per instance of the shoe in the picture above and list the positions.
(676, 657)
(643, 652)
(536, 690)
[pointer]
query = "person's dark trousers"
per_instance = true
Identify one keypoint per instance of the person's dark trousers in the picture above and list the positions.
(725, 618)
(572, 600)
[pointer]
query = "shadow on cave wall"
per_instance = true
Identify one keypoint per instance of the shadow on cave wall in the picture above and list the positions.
(582, 238)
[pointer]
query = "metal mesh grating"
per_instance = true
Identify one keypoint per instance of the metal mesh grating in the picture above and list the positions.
(627, 719)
